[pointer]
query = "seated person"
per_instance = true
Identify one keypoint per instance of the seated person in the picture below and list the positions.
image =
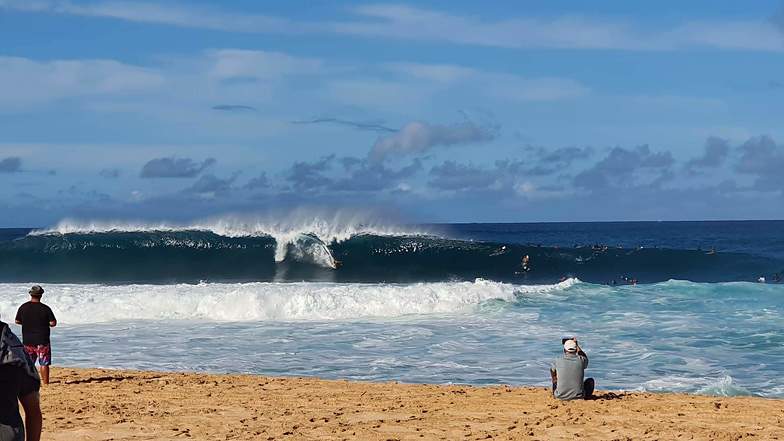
(567, 373)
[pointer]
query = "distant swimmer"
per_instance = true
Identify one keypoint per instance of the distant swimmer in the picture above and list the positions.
(761, 279)
(499, 251)
(525, 262)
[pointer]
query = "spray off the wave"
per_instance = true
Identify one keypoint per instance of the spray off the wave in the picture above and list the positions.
(297, 229)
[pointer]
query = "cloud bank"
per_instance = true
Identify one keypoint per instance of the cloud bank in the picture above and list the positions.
(174, 167)
(11, 164)
(404, 22)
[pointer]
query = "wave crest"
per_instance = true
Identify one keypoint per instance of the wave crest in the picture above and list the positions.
(304, 233)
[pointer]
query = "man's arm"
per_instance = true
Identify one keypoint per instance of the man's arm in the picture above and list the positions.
(52, 319)
(31, 404)
(553, 375)
(18, 319)
(582, 354)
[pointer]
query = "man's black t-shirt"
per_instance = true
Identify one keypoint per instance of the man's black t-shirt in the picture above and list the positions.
(35, 318)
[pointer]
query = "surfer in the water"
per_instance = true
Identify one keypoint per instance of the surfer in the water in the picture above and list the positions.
(499, 251)
(629, 280)
(525, 262)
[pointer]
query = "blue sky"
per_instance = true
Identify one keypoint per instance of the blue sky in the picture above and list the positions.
(435, 111)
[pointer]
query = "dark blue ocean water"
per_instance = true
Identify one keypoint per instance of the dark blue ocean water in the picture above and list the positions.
(762, 238)
(609, 253)
(416, 303)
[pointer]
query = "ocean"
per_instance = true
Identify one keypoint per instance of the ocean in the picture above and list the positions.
(658, 306)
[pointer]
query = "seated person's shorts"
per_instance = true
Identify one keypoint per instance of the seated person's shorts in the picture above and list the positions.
(42, 353)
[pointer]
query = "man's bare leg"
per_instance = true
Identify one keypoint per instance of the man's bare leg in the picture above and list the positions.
(43, 371)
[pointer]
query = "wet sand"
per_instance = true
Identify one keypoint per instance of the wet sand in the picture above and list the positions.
(92, 404)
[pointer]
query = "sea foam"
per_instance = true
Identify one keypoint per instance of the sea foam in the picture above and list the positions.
(78, 304)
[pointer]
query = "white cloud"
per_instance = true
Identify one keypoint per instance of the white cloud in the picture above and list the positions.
(237, 63)
(418, 137)
(497, 85)
(25, 81)
(729, 35)
(376, 93)
(402, 22)
(219, 75)
(572, 32)
(536, 89)
(437, 73)
(166, 14)
(530, 190)
(675, 102)
(560, 32)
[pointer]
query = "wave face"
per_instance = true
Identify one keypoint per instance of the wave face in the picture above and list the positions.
(352, 252)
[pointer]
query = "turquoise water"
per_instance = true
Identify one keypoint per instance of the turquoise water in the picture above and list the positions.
(709, 338)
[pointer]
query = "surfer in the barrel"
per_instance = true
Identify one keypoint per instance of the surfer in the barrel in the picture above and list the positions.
(525, 264)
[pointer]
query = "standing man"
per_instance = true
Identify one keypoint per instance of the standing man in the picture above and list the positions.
(567, 373)
(19, 384)
(36, 319)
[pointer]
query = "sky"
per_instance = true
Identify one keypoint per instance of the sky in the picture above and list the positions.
(430, 111)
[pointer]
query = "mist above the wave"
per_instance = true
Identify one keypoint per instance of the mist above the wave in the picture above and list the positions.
(329, 225)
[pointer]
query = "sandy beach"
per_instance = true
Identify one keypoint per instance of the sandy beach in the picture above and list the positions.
(93, 404)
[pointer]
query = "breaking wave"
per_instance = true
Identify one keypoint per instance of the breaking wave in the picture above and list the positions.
(337, 248)
(78, 304)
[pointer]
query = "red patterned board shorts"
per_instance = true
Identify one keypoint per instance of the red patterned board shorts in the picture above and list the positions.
(42, 353)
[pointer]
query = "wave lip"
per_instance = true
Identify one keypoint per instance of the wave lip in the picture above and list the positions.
(77, 304)
(336, 227)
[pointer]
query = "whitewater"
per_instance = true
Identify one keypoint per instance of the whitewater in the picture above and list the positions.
(720, 339)
(353, 299)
